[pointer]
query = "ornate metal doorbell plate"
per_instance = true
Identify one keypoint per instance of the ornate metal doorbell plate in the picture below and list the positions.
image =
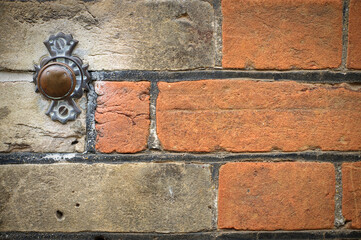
(62, 77)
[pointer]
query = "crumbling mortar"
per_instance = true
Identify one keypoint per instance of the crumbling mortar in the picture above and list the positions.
(217, 35)
(345, 19)
(90, 120)
(215, 182)
(339, 219)
(153, 141)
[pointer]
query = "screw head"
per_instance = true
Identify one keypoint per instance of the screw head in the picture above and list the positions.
(56, 81)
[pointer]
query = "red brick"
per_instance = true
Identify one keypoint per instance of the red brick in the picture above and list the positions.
(351, 200)
(354, 35)
(282, 34)
(271, 196)
(257, 116)
(122, 116)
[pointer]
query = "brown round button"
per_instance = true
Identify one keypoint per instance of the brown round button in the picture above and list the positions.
(56, 81)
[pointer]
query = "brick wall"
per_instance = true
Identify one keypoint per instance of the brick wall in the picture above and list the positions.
(232, 119)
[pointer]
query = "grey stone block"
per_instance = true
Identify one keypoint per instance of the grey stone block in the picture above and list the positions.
(25, 127)
(140, 197)
(143, 35)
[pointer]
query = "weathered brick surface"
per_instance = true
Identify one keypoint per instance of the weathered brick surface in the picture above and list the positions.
(122, 116)
(272, 196)
(25, 127)
(354, 35)
(282, 34)
(351, 200)
(144, 197)
(256, 116)
(112, 35)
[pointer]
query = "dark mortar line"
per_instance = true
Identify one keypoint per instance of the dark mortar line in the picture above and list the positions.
(339, 219)
(344, 234)
(8, 70)
(169, 76)
(301, 234)
(48, 158)
(106, 236)
(312, 76)
(291, 235)
(345, 20)
(153, 142)
(219, 234)
(90, 120)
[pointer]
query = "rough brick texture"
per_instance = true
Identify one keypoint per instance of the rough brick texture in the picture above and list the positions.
(122, 116)
(354, 35)
(144, 197)
(351, 200)
(282, 34)
(271, 196)
(251, 116)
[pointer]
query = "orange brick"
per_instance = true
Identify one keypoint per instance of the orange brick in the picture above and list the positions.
(272, 196)
(354, 35)
(282, 34)
(122, 116)
(257, 116)
(351, 200)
